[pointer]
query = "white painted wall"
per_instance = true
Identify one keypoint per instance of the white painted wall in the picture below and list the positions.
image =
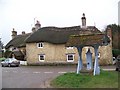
(119, 12)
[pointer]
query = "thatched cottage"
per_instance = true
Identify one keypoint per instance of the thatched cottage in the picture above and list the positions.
(18, 45)
(47, 45)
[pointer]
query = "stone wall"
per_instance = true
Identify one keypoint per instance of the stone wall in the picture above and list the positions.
(54, 53)
(105, 55)
(57, 53)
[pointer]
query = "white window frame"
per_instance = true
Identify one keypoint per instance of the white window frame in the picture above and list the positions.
(68, 58)
(99, 55)
(13, 49)
(43, 57)
(40, 45)
(69, 47)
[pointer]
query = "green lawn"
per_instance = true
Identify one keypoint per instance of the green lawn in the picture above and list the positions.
(107, 79)
(2, 59)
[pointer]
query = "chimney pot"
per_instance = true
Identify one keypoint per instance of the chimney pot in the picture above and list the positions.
(14, 33)
(23, 32)
(37, 25)
(33, 29)
(109, 32)
(83, 21)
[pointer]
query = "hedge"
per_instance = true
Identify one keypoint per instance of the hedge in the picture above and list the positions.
(116, 52)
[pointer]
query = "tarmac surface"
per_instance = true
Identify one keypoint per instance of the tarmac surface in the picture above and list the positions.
(36, 76)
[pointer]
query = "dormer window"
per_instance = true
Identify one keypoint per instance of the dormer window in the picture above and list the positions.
(40, 45)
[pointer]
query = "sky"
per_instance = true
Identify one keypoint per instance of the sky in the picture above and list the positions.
(22, 14)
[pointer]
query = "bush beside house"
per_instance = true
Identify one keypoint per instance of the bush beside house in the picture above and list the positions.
(115, 52)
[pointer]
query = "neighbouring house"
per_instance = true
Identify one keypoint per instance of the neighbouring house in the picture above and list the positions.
(17, 45)
(47, 45)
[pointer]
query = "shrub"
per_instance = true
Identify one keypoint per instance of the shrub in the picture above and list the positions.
(8, 54)
(116, 52)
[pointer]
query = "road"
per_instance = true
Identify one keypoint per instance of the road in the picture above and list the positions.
(0, 78)
(31, 76)
(34, 76)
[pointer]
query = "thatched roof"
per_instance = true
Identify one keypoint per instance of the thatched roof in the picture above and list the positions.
(57, 35)
(19, 55)
(88, 40)
(53, 35)
(18, 41)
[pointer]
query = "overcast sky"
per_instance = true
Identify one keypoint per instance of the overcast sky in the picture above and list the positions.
(20, 14)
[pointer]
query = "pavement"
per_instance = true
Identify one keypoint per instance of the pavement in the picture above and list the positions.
(108, 68)
(31, 76)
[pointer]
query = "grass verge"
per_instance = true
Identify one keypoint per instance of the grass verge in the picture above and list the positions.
(2, 59)
(106, 79)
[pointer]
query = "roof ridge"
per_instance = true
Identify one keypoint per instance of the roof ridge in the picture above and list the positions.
(54, 27)
(23, 34)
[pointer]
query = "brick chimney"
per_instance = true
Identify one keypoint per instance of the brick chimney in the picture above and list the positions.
(109, 33)
(83, 21)
(37, 25)
(14, 33)
(23, 32)
(33, 29)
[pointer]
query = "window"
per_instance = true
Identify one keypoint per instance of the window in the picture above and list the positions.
(70, 57)
(13, 49)
(41, 57)
(99, 55)
(40, 45)
(69, 47)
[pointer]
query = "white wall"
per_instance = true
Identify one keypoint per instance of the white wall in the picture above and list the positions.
(119, 12)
